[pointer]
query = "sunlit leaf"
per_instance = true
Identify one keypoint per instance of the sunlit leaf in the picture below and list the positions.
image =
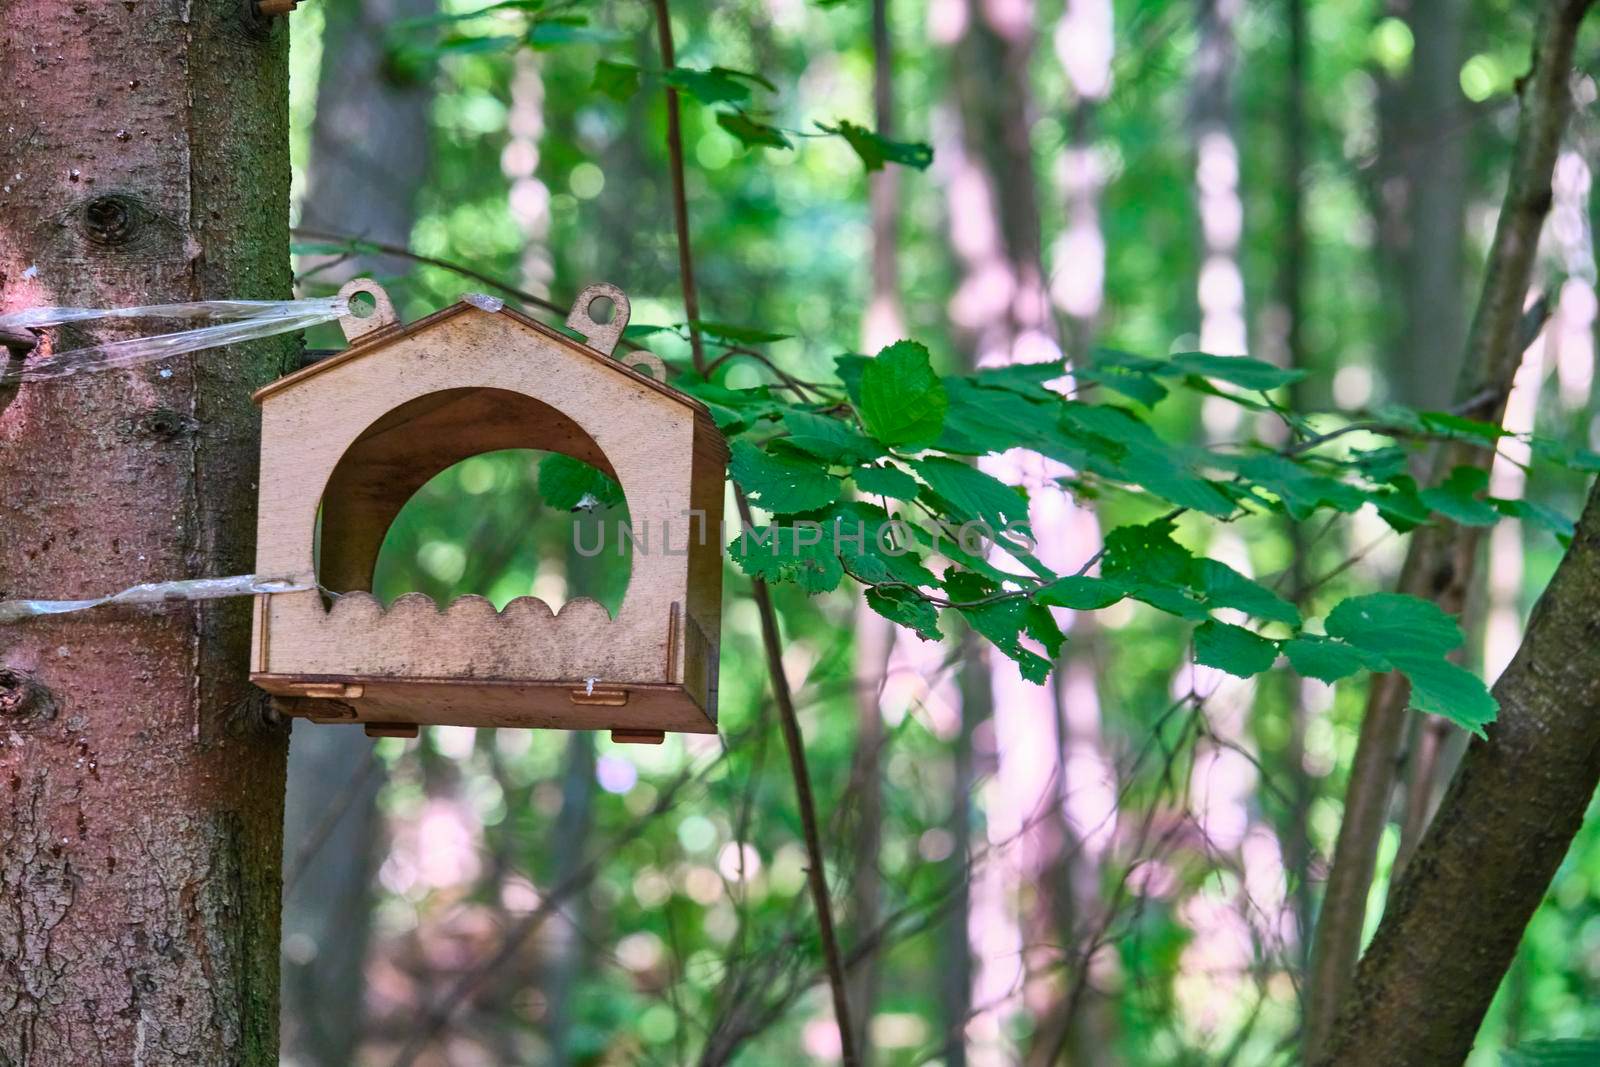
(782, 482)
(886, 480)
(1233, 649)
(902, 401)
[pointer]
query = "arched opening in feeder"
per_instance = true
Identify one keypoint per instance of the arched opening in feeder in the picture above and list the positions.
(508, 524)
(475, 491)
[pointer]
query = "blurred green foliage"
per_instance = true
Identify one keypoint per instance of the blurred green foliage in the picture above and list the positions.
(674, 936)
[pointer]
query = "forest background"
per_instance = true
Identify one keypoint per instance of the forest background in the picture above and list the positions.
(1120, 866)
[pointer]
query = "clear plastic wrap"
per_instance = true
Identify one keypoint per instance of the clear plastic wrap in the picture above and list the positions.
(234, 321)
(155, 593)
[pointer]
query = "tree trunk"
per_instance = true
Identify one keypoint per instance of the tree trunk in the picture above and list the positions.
(1424, 140)
(146, 160)
(1441, 559)
(369, 156)
(369, 140)
(874, 635)
(1427, 142)
(1501, 832)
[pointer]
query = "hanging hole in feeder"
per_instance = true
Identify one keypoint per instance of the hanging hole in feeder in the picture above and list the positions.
(599, 315)
(370, 308)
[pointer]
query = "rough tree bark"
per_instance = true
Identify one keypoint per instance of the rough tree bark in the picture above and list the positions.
(1501, 832)
(369, 156)
(1439, 563)
(145, 155)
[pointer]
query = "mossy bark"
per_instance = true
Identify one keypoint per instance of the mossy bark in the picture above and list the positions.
(144, 156)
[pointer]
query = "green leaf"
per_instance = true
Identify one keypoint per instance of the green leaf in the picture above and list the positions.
(1323, 658)
(752, 134)
(781, 482)
(1442, 688)
(473, 44)
(570, 484)
(1413, 636)
(1243, 371)
(744, 335)
(788, 554)
(551, 33)
(828, 438)
(635, 330)
(902, 401)
(873, 546)
(1574, 1052)
(619, 81)
(1146, 552)
(1456, 498)
(908, 608)
(1003, 622)
(1224, 587)
(1132, 384)
(1537, 514)
(1081, 593)
(974, 495)
(875, 150)
(1456, 426)
(1389, 623)
(979, 421)
(886, 480)
(1233, 649)
(1024, 379)
(1153, 568)
(719, 85)
(1401, 506)
(1301, 490)
(1041, 626)
(1121, 447)
(1380, 464)
(1577, 459)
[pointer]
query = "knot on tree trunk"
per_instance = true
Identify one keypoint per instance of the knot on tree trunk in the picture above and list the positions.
(23, 697)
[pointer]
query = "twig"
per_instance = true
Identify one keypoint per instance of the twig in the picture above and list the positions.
(680, 201)
(816, 873)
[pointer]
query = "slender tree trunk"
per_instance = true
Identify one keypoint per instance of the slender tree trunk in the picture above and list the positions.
(875, 635)
(1440, 560)
(1077, 1024)
(369, 155)
(1424, 176)
(370, 139)
(146, 160)
(1292, 276)
(1220, 293)
(565, 944)
(1430, 141)
(956, 971)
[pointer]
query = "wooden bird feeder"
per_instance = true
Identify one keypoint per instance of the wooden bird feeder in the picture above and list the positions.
(347, 441)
